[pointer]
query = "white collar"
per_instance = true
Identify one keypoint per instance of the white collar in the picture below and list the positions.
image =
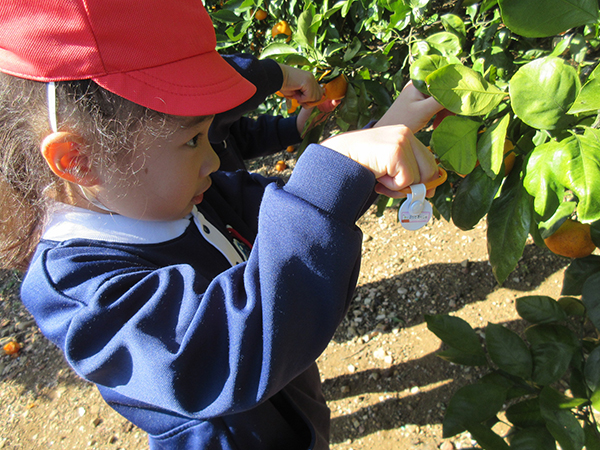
(70, 222)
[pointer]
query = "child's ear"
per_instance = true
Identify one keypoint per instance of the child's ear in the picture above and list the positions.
(61, 151)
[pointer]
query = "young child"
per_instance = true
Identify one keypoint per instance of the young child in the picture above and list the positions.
(196, 300)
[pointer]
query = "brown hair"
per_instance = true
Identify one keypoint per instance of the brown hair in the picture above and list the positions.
(103, 119)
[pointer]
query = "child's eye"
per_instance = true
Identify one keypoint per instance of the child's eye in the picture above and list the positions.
(193, 142)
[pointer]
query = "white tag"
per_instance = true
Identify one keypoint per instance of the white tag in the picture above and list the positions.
(416, 211)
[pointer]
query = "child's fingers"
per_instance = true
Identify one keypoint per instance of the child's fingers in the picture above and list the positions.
(328, 105)
(381, 189)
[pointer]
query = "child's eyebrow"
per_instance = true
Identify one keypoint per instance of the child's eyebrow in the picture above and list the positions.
(190, 122)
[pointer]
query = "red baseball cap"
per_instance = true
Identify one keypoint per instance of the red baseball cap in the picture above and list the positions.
(156, 53)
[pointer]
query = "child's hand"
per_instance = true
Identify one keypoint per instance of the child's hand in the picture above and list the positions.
(394, 155)
(300, 84)
(412, 108)
(325, 108)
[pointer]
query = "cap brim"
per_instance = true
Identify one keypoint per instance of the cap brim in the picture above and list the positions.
(198, 86)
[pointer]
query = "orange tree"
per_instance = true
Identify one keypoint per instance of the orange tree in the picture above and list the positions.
(516, 75)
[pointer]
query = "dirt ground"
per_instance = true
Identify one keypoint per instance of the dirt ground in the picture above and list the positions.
(384, 384)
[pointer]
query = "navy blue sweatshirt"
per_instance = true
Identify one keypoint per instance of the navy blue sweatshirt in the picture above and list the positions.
(187, 337)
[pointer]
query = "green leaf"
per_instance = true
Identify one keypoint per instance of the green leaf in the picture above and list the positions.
(592, 437)
(563, 425)
(305, 35)
(486, 437)
(352, 49)
(514, 389)
(526, 414)
(447, 44)
(534, 18)
(595, 399)
(551, 333)
(588, 99)
(490, 147)
(455, 332)
(591, 370)
(463, 91)
(454, 24)
(473, 198)
(595, 232)
(348, 110)
(590, 294)
(225, 16)
(472, 404)
(455, 141)
(551, 399)
(574, 164)
(277, 49)
(540, 180)
(539, 309)
(376, 61)
(508, 351)
(572, 306)
(509, 221)
(550, 362)
(538, 438)
(578, 272)
(442, 200)
(564, 211)
(378, 92)
(542, 92)
(458, 356)
(422, 67)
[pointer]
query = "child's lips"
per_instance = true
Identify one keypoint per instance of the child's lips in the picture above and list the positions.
(198, 199)
(200, 196)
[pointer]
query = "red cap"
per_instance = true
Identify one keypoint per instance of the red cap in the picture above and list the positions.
(157, 53)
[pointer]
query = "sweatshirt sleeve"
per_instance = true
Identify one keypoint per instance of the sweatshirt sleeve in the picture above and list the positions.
(265, 74)
(204, 339)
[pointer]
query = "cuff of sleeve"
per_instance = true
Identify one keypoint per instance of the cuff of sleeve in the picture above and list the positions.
(274, 74)
(287, 131)
(332, 182)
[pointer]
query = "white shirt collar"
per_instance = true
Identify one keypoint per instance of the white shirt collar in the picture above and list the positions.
(70, 222)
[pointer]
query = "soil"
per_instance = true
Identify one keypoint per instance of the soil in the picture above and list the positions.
(385, 386)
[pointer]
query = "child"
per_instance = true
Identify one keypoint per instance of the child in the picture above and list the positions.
(196, 300)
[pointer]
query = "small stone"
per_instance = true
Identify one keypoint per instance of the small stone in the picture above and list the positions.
(447, 445)
(351, 368)
(379, 353)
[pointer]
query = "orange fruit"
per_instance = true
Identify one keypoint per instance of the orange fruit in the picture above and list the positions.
(282, 27)
(572, 239)
(280, 166)
(336, 88)
(11, 348)
(260, 14)
(290, 149)
(509, 159)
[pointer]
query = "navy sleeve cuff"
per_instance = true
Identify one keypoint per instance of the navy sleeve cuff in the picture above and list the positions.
(332, 182)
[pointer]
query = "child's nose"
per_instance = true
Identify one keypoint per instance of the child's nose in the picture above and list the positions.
(211, 164)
